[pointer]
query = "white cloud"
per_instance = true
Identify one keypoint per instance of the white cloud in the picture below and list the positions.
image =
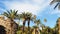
(33, 8)
(55, 11)
(38, 1)
(22, 7)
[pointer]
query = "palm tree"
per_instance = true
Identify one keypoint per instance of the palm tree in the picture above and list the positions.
(18, 17)
(56, 1)
(23, 16)
(12, 14)
(26, 17)
(29, 18)
(37, 22)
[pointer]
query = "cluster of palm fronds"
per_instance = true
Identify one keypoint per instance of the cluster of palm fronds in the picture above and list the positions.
(26, 16)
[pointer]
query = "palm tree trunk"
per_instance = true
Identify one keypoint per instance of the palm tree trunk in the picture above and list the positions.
(28, 26)
(11, 26)
(18, 24)
(23, 25)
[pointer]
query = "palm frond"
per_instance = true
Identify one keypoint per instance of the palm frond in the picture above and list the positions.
(8, 12)
(56, 5)
(5, 14)
(55, 1)
(16, 12)
(52, 2)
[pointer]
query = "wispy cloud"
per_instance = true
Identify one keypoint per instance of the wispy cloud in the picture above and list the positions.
(33, 6)
(55, 11)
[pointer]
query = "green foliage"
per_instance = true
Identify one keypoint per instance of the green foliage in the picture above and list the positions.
(12, 14)
(18, 32)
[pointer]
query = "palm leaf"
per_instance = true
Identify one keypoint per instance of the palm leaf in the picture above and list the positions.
(56, 5)
(52, 2)
(16, 12)
(5, 14)
(8, 12)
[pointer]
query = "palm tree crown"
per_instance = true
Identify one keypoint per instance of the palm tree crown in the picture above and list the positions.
(37, 22)
(12, 14)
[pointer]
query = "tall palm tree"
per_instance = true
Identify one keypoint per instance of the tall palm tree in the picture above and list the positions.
(12, 14)
(37, 22)
(26, 17)
(29, 18)
(19, 17)
(56, 1)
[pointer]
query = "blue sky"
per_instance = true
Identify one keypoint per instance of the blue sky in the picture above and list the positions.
(41, 8)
